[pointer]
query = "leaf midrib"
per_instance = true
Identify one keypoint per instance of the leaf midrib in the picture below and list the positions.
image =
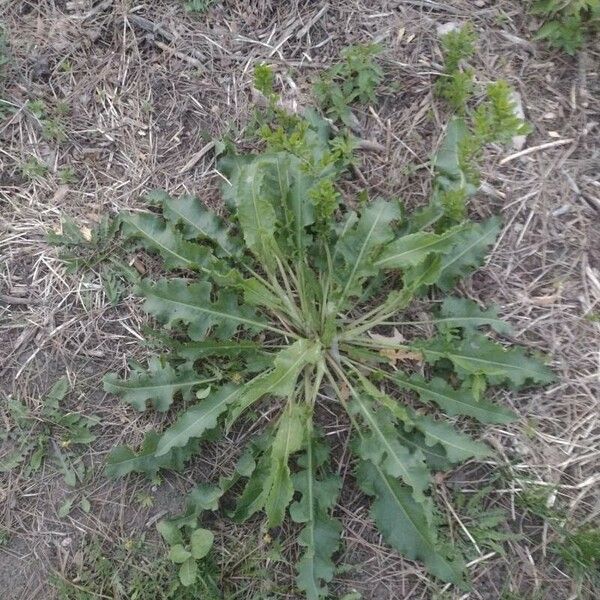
(135, 387)
(173, 443)
(382, 261)
(212, 311)
(423, 388)
(479, 239)
(183, 217)
(443, 441)
(156, 241)
(478, 360)
(428, 542)
(362, 250)
(390, 450)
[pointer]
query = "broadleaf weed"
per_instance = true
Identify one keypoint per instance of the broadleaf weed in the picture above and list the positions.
(288, 303)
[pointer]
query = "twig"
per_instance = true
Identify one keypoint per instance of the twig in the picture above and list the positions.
(432, 5)
(196, 157)
(148, 25)
(533, 149)
(312, 21)
(153, 28)
(16, 300)
(167, 48)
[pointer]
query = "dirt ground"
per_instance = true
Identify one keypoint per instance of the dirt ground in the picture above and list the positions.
(138, 90)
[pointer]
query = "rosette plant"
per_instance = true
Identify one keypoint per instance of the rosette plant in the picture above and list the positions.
(290, 303)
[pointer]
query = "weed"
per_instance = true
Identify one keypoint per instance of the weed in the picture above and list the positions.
(580, 551)
(482, 521)
(65, 66)
(289, 301)
(67, 175)
(456, 85)
(576, 545)
(33, 169)
(354, 79)
(263, 80)
(53, 127)
(493, 120)
(198, 6)
(94, 250)
(567, 23)
(52, 433)
(132, 571)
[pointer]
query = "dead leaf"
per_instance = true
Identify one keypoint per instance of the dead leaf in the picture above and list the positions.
(344, 392)
(139, 266)
(396, 338)
(395, 355)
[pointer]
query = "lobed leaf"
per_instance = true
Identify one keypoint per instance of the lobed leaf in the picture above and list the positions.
(406, 524)
(458, 447)
(199, 222)
(281, 379)
(454, 402)
(321, 534)
(469, 252)
(153, 233)
(255, 213)
(175, 300)
(159, 385)
(359, 244)
(477, 355)
(381, 445)
(412, 250)
(122, 460)
(466, 314)
(290, 437)
(198, 419)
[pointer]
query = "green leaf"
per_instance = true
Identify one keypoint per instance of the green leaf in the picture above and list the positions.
(412, 250)
(406, 524)
(170, 533)
(435, 456)
(380, 444)
(447, 160)
(279, 381)
(198, 419)
(287, 188)
(455, 402)
(479, 355)
(193, 351)
(321, 534)
(257, 293)
(154, 234)
(199, 222)
(159, 385)
(178, 554)
(460, 312)
(359, 245)
(290, 436)
(188, 572)
(255, 212)
(253, 496)
(201, 542)
(205, 497)
(122, 460)
(458, 447)
(470, 249)
(65, 508)
(173, 301)
(57, 394)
